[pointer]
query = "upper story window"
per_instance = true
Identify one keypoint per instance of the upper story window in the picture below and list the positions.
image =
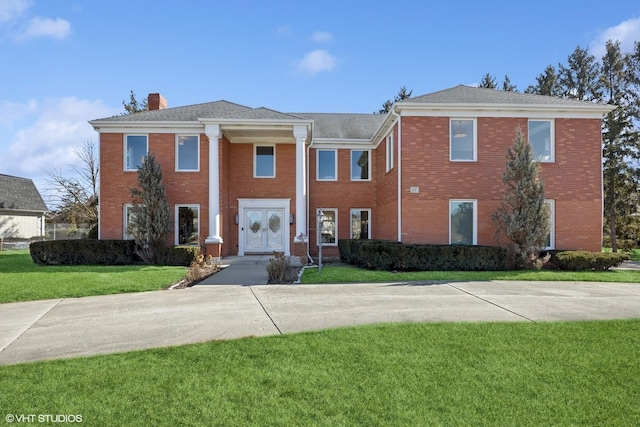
(329, 227)
(327, 165)
(135, 150)
(462, 140)
(187, 153)
(462, 222)
(264, 161)
(360, 165)
(541, 139)
(389, 147)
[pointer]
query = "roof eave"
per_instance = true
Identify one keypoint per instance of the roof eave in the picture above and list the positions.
(590, 108)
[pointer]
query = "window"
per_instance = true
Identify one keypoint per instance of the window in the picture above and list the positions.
(462, 140)
(265, 162)
(389, 152)
(187, 153)
(135, 150)
(187, 225)
(359, 165)
(462, 222)
(550, 242)
(541, 139)
(327, 165)
(360, 224)
(328, 227)
(128, 215)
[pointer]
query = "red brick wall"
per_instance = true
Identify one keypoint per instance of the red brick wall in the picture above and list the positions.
(385, 216)
(343, 195)
(573, 180)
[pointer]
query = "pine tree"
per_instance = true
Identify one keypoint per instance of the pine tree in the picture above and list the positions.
(150, 221)
(580, 79)
(621, 147)
(133, 106)
(403, 94)
(546, 83)
(488, 82)
(507, 86)
(523, 216)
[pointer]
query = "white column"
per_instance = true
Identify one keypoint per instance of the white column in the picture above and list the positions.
(300, 134)
(214, 135)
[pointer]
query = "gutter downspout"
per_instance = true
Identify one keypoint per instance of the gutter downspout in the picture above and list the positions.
(399, 141)
(306, 179)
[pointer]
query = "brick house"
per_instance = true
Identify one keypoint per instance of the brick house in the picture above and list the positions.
(247, 180)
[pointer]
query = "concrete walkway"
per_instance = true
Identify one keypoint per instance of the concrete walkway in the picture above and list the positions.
(62, 328)
(249, 270)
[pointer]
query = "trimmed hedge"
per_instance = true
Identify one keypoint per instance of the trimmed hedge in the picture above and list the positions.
(582, 260)
(83, 252)
(104, 252)
(389, 255)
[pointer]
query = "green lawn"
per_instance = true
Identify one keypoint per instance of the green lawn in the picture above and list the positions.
(350, 274)
(517, 374)
(22, 280)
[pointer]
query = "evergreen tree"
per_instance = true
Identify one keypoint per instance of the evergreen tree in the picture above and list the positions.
(523, 216)
(580, 79)
(133, 106)
(507, 86)
(621, 148)
(546, 83)
(488, 82)
(150, 222)
(403, 94)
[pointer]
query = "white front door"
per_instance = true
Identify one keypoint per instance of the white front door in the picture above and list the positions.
(264, 230)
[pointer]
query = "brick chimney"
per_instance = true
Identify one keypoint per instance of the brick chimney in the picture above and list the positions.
(155, 101)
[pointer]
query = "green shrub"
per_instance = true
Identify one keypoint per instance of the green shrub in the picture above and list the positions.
(83, 252)
(389, 255)
(178, 255)
(583, 260)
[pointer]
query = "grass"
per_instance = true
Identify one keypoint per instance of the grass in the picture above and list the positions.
(22, 280)
(350, 274)
(524, 374)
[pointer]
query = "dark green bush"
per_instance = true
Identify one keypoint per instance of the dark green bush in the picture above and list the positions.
(83, 252)
(387, 255)
(583, 260)
(178, 255)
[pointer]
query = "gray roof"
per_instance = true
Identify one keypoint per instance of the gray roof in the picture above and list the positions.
(344, 125)
(188, 113)
(20, 194)
(260, 114)
(475, 95)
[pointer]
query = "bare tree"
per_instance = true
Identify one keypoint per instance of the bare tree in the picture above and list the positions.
(75, 196)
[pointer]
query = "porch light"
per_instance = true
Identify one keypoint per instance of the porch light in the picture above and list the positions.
(236, 219)
(291, 218)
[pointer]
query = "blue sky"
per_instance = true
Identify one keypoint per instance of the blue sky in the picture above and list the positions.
(64, 62)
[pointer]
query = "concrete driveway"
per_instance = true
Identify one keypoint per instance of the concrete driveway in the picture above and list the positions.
(62, 328)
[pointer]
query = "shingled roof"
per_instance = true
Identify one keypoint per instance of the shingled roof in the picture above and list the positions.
(20, 194)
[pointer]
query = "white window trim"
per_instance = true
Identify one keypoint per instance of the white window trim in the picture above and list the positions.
(475, 138)
(177, 220)
(475, 218)
(368, 225)
(335, 167)
(255, 160)
(351, 165)
(335, 213)
(124, 150)
(552, 219)
(197, 169)
(390, 153)
(125, 235)
(552, 138)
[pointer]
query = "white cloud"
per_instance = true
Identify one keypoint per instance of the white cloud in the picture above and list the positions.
(10, 9)
(322, 36)
(626, 33)
(46, 27)
(315, 62)
(57, 127)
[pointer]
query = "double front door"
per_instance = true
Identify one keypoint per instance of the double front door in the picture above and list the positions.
(264, 230)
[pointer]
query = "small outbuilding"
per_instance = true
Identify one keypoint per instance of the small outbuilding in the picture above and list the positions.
(22, 209)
